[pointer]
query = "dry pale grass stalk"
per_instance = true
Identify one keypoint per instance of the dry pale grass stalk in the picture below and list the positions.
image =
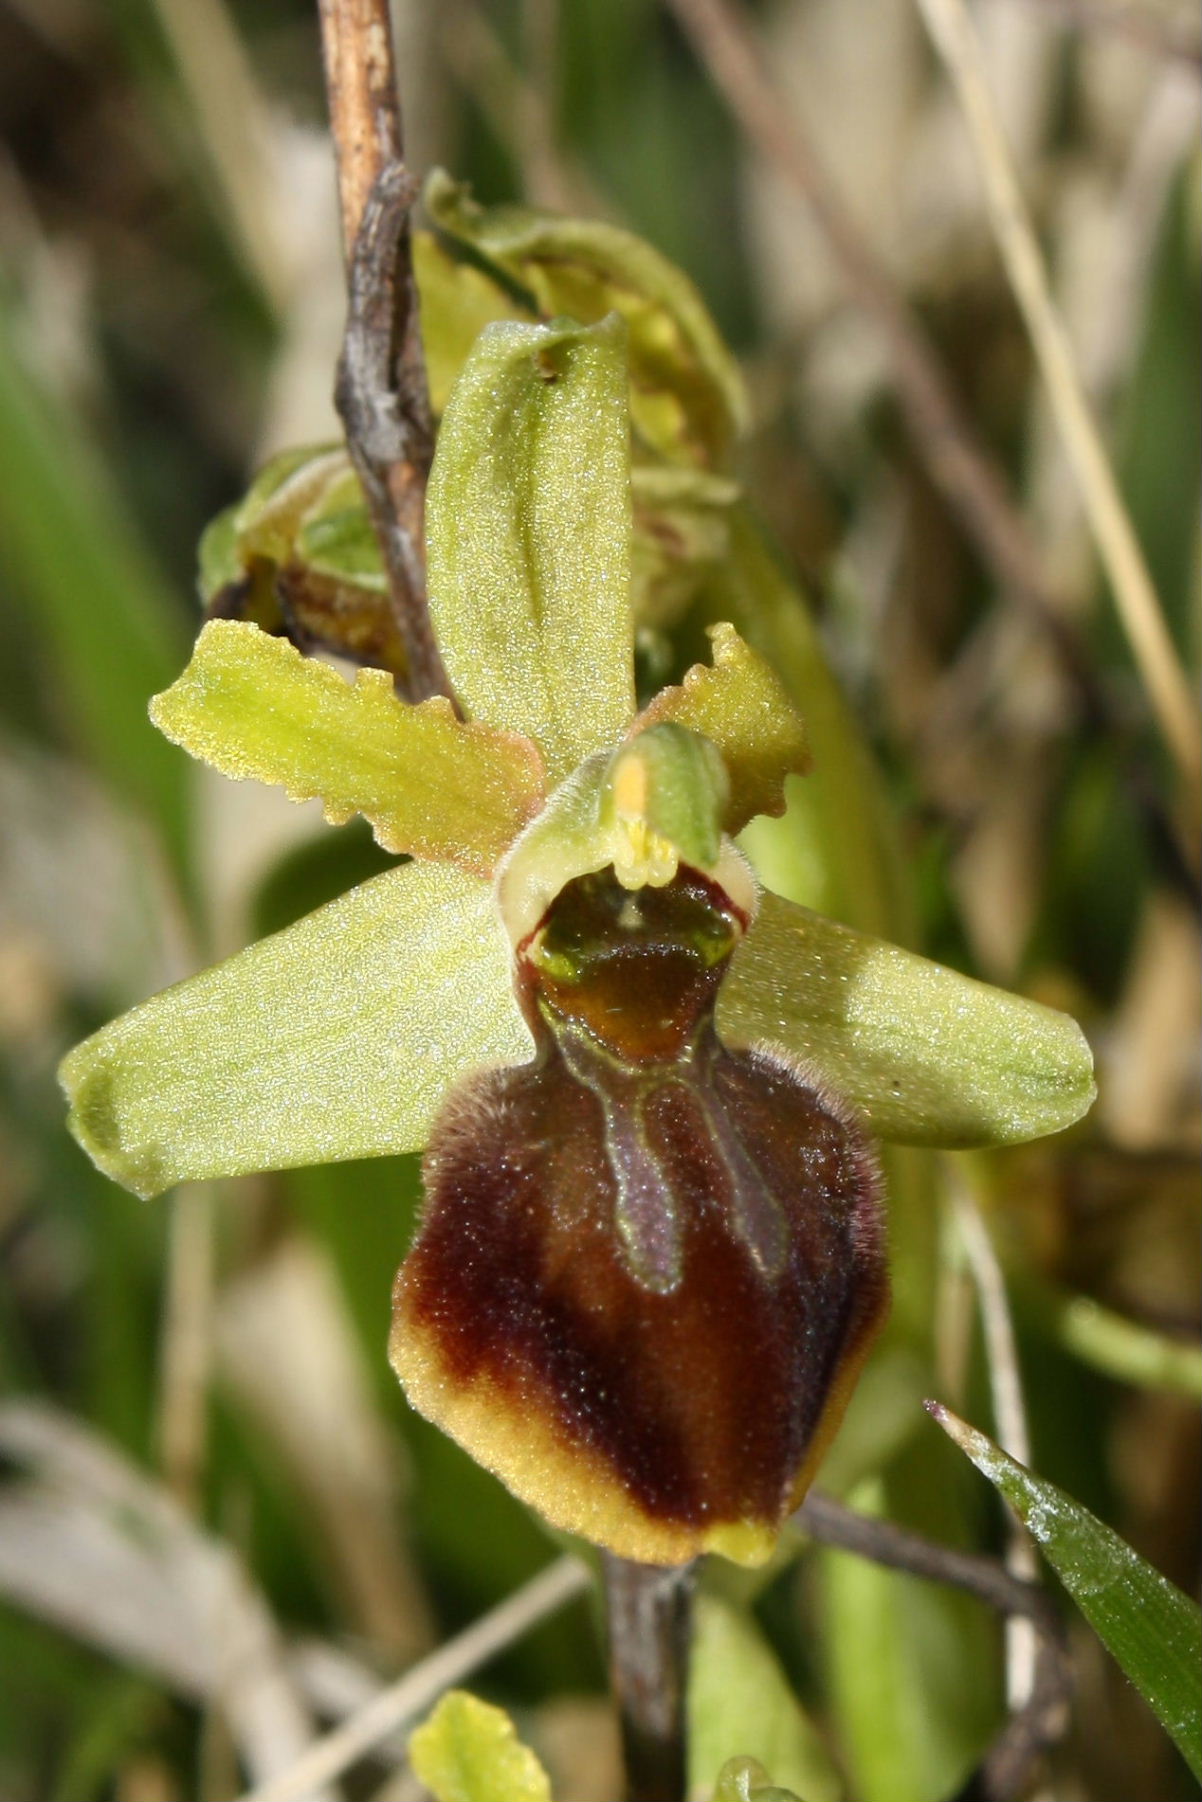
(958, 464)
(1122, 558)
(1009, 1416)
(185, 1357)
(411, 1695)
(232, 119)
(90, 1543)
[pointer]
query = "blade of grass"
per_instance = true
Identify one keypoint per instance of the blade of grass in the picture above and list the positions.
(100, 612)
(1151, 1628)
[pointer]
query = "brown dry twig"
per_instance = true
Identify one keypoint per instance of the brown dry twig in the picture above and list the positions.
(381, 389)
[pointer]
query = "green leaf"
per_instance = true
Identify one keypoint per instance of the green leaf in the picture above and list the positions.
(336, 1038)
(468, 1751)
(911, 1696)
(252, 706)
(741, 707)
(102, 616)
(742, 1712)
(529, 537)
(925, 1056)
(688, 401)
(1151, 1628)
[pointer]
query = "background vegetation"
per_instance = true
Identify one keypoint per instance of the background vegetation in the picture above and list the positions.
(169, 314)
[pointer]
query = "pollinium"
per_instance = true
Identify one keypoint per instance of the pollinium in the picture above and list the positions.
(650, 1265)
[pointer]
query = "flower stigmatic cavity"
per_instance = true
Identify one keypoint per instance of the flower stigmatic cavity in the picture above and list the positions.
(650, 1265)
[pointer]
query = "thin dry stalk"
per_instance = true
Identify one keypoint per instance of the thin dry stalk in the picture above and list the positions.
(1136, 599)
(421, 1687)
(365, 113)
(1157, 33)
(381, 389)
(185, 1358)
(1009, 1417)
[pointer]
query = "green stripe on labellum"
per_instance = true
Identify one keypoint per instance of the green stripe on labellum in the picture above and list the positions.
(925, 1056)
(336, 1038)
(430, 785)
(529, 525)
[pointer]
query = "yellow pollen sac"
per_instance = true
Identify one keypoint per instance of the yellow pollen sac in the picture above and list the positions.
(643, 858)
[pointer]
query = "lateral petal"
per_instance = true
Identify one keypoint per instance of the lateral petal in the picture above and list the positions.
(741, 706)
(430, 785)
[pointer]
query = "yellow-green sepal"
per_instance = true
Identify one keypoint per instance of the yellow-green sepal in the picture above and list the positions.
(688, 403)
(528, 517)
(740, 705)
(336, 1038)
(925, 1056)
(430, 785)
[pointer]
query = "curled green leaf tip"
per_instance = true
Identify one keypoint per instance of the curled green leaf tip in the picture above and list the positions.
(746, 1780)
(469, 1751)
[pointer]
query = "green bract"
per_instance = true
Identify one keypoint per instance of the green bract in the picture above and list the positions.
(1146, 1622)
(338, 1037)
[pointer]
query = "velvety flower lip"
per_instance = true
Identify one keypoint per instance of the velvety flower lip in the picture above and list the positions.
(651, 1259)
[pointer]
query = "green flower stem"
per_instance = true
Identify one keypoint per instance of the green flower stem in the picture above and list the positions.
(649, 1611)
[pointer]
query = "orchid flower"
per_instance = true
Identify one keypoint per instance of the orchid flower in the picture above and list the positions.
(651, 1260)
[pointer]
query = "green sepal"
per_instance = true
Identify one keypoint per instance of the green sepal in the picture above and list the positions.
(925, 1056)
(740, 705)
(1151, 1628)
(688, 403)
(336, 1038)
(528, 517)
(468, 1751)
(430, 785)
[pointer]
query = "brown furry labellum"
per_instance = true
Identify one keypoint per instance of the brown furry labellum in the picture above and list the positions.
(649, 1266)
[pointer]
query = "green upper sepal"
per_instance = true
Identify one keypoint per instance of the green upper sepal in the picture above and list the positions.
(528, 517)
(431, 785)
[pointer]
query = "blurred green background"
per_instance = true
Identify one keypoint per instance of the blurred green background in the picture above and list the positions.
(170, 307)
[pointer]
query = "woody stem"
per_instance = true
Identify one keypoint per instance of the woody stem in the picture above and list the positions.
(649, 1612)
